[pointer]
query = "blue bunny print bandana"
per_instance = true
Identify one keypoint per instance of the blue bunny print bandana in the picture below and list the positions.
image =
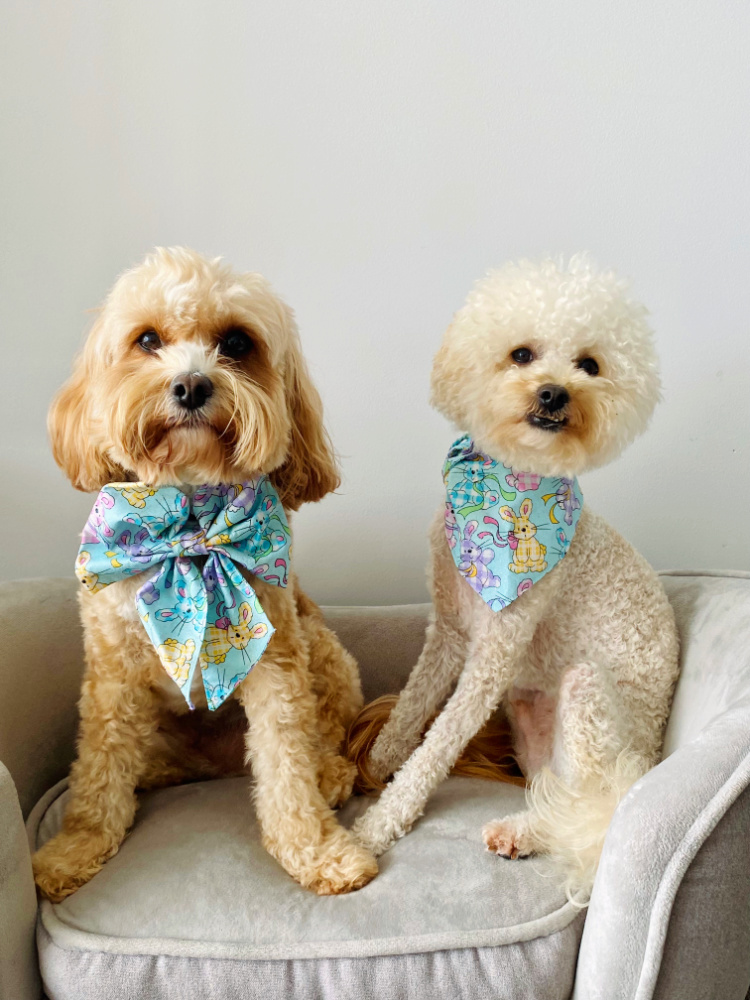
(502, 560)
(208, 617)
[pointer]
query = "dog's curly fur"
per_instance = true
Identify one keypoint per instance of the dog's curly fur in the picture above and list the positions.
(585, 662)
(116, 420)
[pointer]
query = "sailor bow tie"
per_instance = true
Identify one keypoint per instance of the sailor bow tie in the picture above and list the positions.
(209, 617)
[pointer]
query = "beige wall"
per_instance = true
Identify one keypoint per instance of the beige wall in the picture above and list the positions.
(372, 160)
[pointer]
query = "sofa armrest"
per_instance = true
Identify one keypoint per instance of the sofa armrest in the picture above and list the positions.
(679, 824)
(713, 617)
(711, 918)
(41, 665)
(655, 838)
(19, 972)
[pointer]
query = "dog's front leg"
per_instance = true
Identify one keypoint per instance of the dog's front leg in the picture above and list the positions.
(477, 695)
(298, 827)
(118, 721)
(490, 670)
(439, 664)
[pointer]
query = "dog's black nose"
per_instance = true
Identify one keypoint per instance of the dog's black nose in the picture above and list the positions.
(552, 397)
(191, 389)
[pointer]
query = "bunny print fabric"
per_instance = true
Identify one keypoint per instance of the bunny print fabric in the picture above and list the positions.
(208, 618)
(540, 513)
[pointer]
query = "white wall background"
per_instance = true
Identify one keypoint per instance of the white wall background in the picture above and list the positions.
(373, 160)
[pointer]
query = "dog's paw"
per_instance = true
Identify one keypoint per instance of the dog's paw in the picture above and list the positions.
(341, 866)
(69, 861)
(337, 779)
(376, 831)
(508, 839)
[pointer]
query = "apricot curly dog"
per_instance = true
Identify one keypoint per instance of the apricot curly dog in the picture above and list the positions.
(191, 375)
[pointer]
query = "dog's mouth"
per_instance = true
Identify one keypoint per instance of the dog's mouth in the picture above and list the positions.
(195, 421)
(553, 424)
(194, 431)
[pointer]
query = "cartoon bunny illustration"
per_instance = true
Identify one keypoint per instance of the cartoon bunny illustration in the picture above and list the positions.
(188, 609)
(479, 488)
(452, 531)
(475, 561)
(565, 498)
(528, 554)
(471, 493)
(176, 657)
(97, 522)
(88, 579)
(132, 545)
(224, 634)
(269, 532)
(135, 493)
(241, 504)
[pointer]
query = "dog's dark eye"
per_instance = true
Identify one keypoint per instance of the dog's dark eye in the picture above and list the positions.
(522, 356)
(150, 341)
(235, 344)
(589, 366)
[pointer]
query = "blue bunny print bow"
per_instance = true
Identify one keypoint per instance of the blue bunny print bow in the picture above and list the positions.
(209, 617)
(541, 513)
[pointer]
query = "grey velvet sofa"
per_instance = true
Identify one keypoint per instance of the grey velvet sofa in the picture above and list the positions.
(192, 907)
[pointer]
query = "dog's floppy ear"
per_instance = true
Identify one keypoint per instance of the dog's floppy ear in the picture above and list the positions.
(449, 377)
(309, 471)
(71, 432)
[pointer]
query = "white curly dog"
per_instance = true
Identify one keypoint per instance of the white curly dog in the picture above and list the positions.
(551, 368)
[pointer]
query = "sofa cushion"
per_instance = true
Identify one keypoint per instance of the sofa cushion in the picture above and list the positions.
(193, 906)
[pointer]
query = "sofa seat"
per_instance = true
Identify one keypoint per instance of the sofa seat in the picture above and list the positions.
(192, 905)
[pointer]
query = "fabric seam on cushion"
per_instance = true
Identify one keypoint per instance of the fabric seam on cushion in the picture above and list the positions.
(682, 857)
(51, 943)
(721, 574)
(72, 939)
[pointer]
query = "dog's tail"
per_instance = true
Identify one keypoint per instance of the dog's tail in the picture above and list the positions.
(569, 824)
(489, 755)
